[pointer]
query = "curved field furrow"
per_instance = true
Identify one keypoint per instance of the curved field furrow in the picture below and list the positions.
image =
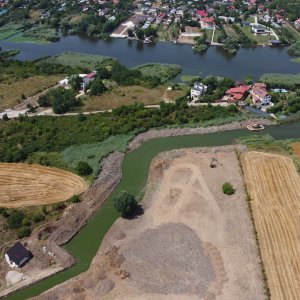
(29, 185)
(274, 186)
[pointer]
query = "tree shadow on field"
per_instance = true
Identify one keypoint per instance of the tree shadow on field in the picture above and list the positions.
(139, 211)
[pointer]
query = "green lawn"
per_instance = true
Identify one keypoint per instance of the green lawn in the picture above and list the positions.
(9, 30)
(260, 39)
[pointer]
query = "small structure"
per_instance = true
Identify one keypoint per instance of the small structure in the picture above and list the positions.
(297, 24)
(17, 255)
(198, 91)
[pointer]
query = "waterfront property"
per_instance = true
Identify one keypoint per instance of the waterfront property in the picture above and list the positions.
(236, 94)
(198, 91)
(260, 94)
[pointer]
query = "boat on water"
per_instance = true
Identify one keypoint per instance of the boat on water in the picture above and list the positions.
(255, 127)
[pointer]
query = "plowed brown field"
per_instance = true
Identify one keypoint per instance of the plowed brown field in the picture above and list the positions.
(29, 185)
(274, 186)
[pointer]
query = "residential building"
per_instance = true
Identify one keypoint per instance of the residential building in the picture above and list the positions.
(17, 255)
(260, 94)
(198, 91)
(259, 29)
(236, 94)
(207, 23)
(297, 24)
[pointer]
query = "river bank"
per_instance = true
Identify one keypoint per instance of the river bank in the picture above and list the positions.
(252, 61)
(135, 167)
(92, 200)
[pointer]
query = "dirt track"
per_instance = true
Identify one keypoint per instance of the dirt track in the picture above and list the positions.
(274, 187)
(28, 185)
(190, 243)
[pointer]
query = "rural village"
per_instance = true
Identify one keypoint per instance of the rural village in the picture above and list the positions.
(130, 180)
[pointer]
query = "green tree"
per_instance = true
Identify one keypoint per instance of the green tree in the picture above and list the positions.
(23, 232)
(75, 82)
(228, 188)
(15, 219)
(125, 204)
(38, 217)
(97, 87)
(140, 34)
(83, 168)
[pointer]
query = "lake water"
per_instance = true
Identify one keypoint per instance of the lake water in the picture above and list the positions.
(135, 168)
(253, 61)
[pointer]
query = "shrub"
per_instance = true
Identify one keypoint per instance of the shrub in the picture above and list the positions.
(23, 232)
(38, 217)
(26, 222)
(83, 168)
(75, 199)
(15, 219)
(228, 189)
(125, 204)
(59, 206)
(5, 214)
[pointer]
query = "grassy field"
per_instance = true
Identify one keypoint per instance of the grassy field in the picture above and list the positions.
(11, 94)
(230, 31)
(124, 95)
(274, 187)
(281, 80)
(164, 71)
(78, 60)
(9, 30)
(20, 188)
(40, 34)
(260, 39)
(93, 153)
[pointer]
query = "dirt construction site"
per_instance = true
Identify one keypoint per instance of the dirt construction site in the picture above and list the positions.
(191, 242)
(274, 187)
(29, 185)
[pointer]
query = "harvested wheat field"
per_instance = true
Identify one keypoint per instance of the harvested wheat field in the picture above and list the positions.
(274, 187)
(191, 242)
(296, 149)
(28, 185)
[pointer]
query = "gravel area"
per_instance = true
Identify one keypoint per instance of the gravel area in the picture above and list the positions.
(169, 259)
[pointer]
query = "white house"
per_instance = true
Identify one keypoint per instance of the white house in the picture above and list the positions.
(86, 80)
(260, 94)
(259, 29)
(198, 90)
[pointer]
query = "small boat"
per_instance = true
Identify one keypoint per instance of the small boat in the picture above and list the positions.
(255, 127)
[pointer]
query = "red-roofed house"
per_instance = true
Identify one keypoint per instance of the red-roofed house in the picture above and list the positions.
(236, 94)
(207, 23)
(202, 13)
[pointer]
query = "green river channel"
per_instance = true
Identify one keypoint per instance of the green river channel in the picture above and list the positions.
(135, 168)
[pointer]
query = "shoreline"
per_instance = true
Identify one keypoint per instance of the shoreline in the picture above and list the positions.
(111, 174)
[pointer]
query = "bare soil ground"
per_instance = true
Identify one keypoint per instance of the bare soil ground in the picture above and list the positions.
(296, 149)
(128, 95)
(28, 185)
(274, 187)
(11, 94)
(192, 242)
